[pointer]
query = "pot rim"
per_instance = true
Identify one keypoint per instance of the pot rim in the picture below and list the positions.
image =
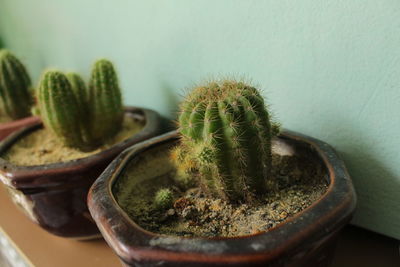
(21, 177)
(334, 209)
(19, 122)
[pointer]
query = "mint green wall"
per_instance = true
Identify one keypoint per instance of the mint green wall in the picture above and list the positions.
(331, 69)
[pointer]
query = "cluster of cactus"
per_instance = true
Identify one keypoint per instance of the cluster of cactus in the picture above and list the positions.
(226, 136)
(15, 87)
(82, 118)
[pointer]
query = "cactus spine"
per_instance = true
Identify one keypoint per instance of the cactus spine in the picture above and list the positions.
(15, 95)
(59, 109)
(105, 100)
(226, 131)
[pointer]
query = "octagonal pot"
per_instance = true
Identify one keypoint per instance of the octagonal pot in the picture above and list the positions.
(54, 195)
(305, 239)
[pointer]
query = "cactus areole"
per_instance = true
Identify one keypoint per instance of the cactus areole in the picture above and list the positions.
(226, 136)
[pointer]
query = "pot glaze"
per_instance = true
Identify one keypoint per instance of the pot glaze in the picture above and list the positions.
(306, 239)
(54, 195)
(9, 127)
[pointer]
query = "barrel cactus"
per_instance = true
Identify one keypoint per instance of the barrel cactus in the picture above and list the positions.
(226, 136)
(60, 110)
(105, 100)
(15, 87)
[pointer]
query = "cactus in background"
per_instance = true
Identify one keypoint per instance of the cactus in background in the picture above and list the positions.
(81, 94)
(163, 199)
(226, 135)
(81, 118)
(59, 109)
(79, 88)
(15, 95)
(105, 101)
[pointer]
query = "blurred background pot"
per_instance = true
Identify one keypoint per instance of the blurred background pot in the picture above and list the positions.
(9, 127)
(54, 195)
(306, 239)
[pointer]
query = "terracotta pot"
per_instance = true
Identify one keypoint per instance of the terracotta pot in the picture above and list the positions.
(9, 127)
(54, 195)
(306, 239)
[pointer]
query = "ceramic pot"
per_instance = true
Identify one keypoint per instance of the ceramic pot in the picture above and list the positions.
(9, 127)
(306, 239)
(54, 195)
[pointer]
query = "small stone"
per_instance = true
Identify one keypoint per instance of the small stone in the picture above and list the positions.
(43, 151)
(191, 223)
(192, 192)
(189, 212)
(283, 215)
(182, 203)
(216, 205)
(170, 212)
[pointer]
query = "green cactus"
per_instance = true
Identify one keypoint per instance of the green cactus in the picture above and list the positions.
(163, 199)
(79, 88)
(226, 134)
(105, 100)
(60, 111)
(81, 118)
(15, 95)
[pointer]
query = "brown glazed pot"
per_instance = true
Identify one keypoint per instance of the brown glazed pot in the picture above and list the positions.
(54, 195)
(9, 127)
(306, 239)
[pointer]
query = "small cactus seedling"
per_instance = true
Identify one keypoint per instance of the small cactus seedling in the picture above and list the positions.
(59, 109)
(105, 100)
(226, 134)
(163, 199)
(15, 95)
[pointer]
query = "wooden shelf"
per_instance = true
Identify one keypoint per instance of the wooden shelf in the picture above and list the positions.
(35, 247)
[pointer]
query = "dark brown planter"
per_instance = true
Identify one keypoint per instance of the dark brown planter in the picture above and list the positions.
(54, 195)
(9, 127)
(306, 239)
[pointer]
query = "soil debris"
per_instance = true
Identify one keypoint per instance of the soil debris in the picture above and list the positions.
(297, 183)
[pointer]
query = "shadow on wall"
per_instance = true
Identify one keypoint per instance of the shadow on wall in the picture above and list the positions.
(376, 186)
(171, 99)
